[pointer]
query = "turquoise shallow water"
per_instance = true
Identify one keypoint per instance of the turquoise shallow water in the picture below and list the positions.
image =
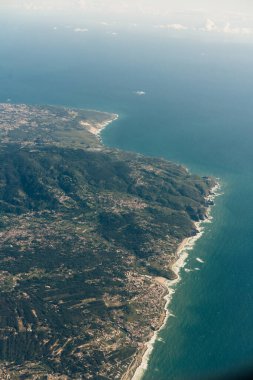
(198, 110)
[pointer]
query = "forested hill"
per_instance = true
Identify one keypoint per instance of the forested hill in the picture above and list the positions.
(84, 232)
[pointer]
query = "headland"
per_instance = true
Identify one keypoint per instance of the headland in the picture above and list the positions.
(89, 238)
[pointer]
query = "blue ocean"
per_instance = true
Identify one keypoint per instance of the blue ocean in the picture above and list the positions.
(188, 99)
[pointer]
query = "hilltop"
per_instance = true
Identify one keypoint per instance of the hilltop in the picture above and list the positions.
(85, 231)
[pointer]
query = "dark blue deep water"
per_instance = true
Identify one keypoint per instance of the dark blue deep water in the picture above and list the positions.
(198, 110)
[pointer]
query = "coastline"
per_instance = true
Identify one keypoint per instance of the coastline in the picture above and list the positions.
(139, 364)
(96, 128)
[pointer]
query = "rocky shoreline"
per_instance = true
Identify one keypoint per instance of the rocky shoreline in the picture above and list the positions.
(88, 238)
(139, 365)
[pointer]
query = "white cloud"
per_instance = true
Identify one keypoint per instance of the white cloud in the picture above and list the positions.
(173, 27)
(113, 33)
(230, 30)
(211, 26)
(230, 17)
(140, 92)
(81, 30)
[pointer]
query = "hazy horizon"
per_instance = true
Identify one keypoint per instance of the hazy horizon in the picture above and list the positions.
(229, 19)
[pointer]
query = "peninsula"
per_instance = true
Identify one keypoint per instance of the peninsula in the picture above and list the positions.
(88, 235)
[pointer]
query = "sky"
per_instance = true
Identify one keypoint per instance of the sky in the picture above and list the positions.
(144, 5)
(227, 17)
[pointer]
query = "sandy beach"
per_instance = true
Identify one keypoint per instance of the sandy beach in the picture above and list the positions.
(140, 363)
(96, 128)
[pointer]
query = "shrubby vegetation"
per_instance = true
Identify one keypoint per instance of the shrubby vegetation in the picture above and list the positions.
(83, 231)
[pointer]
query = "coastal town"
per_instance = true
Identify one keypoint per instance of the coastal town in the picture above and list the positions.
(88, 239)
